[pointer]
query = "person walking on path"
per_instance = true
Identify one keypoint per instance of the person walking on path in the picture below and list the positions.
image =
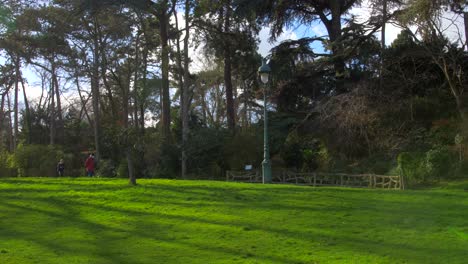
(61, 168)
(89, 165)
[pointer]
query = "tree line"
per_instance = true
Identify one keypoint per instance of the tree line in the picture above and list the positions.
(138, 106)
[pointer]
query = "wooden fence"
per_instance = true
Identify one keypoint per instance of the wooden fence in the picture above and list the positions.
(323, 179)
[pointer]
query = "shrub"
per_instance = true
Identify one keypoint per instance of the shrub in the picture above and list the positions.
(443, 132)
(122, 169)
(161, 160)
(242, 149)
(323, 157)
(305, 153)
(206, 154)
(310, 159)
(106, 168)
(169, 161)
(37, 160)
(411, 165)
(291, 152)
(460, 169)
(6, 170)
(438, 162)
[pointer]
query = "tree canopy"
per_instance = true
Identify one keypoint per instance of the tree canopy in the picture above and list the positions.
(170, 88)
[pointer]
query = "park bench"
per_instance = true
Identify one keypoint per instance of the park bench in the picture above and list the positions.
(243, 176)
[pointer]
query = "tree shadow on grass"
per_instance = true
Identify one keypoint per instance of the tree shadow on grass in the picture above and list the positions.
(70, 210)
(230, 201)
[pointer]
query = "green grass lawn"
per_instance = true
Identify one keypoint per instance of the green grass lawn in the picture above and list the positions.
(163, 221)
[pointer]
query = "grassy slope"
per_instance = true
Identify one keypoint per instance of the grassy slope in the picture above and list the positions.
(162, 221)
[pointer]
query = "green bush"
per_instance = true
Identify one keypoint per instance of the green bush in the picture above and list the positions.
(443, 132)
(243, 149)
(122, 169)
(435, 164)
(4, 159)
(305, 153)
(310, 159)
(206, 154)
(106, 169)
(339, 164)
(411, 165)
(395, 170)
(160, 159)
(292, 153)
(439, 162)
(378, 163)
(169, 161)
(6, 170)
(460, 169)
(38, 160)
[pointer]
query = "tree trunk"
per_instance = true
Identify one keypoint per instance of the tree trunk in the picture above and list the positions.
(142, 99)
(465, 18)
(26, 102)
(128, 145)
(334, 31)
(135, 82)
(128, 140)
(52, 108)
(246, 110)
(60, 128)
(460, 99)
(28, 113)
(2, 119)
(227, 72)
(185, 95)
(10, 125)
(203, 104)
(179, 71)
(181, 82)
(15, 138)
(131, 170)
(83, 102)
(95, 97)
(103, 67)
(166, 103)
(382, 49)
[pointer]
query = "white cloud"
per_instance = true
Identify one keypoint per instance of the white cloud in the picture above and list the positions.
(320, 30)
(265, 45)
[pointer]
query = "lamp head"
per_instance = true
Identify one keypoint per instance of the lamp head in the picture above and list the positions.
(264, 71)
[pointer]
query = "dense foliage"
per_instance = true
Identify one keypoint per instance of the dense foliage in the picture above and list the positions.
(117, 79)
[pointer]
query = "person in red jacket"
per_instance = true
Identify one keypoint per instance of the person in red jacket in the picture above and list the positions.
(89, 165)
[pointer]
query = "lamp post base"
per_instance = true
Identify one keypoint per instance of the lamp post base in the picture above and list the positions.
(266, 169)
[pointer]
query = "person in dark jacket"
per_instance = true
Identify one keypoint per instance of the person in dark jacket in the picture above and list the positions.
(89, 165)
(61, 168)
